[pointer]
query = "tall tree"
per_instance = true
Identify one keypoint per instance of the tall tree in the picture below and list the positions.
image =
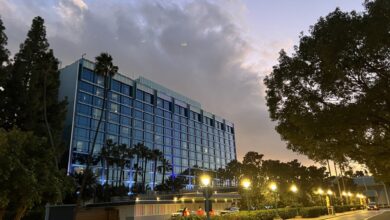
(165, 166)
(157, 155)
(105, 68)
(331, 97)
(31, 90)
(4, 62)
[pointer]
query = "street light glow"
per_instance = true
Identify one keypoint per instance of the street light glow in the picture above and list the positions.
(344, 193)
(294, 188)
(205, 180)
(350, 194)
(320, 191)
(246, 183)
(329, 192)
(273, 186)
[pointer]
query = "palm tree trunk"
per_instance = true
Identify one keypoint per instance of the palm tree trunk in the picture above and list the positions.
(154, 173)
(136, 173)
(105, 93)
(163, 175)
(107, 171)
(144, 176)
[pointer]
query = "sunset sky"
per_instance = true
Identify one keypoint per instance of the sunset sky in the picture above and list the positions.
(216, 52)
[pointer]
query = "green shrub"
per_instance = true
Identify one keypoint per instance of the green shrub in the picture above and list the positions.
(312, 212)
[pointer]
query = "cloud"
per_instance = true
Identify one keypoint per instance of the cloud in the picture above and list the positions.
(197, 48)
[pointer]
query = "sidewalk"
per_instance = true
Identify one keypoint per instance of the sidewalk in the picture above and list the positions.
(329, 216)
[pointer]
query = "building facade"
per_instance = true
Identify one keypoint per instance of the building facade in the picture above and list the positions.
(141, 111)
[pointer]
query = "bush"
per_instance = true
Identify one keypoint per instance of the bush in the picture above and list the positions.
(346, 208)
(287, 213)
(312, 212)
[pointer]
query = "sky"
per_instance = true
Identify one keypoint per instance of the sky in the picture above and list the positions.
(216, 52)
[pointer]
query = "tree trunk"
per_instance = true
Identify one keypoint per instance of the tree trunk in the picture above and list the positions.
(144, 176)
(136, 172)
(47, 121)
(2, 213)
(20, 212)
(163, 174)
(107, 171)
(90, 154)
(154, 173)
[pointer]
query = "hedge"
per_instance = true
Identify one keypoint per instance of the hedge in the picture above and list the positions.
(270, 214)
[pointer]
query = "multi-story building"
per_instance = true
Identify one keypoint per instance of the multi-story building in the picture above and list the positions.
(141, 111)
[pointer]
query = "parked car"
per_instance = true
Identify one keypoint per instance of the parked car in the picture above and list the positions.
(372, 206)
(229, 210)
(177, 213)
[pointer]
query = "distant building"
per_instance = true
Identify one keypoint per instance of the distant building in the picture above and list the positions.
(375, 191)
(141, 111)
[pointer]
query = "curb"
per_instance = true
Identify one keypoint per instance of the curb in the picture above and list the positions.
(330, 217)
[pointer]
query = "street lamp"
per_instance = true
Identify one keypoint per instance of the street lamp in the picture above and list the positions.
(273, 187)
(320, 192)
(246, 183)
(294, 189)
(205, 181)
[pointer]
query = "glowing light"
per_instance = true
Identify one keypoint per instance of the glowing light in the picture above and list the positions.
(273, 186)
(294, 188)
(205, 180)
(246, 183)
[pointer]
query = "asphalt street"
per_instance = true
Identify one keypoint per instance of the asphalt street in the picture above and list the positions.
(366, 215)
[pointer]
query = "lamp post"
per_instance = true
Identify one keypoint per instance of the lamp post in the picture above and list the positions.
(205, 180)
(294, 189)
(329, 202)
(246, 183)
(320, 192)
(273, 187)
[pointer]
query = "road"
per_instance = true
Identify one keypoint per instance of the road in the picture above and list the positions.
(366, 215)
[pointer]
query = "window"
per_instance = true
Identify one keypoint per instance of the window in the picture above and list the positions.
(138, 134)
(159, 112)
(168, 123)
(81, 146)
(125, 110)
(139, 95)
(98, 92)
(87, 74)
(160, 103)
(158, 139)
(115, 86)
(176, 152)
(125, 89)
(126, 101)
(124, 140)
(168, 132)
(114, 107)
(125, 131)
(82, 134)
(148, 108)
(148, 117)
(167, 105)
(114, 97)
(139, 105)
(192, 155)
(99, 79)
(98, 102)
(167, 141)
(84, 109)
(148, 127)
(148, 136)
(138, 124)
(125, 121)
(112, 117)
(83, 86)
(167, 150)
(148, 98)
(83, 121)
(158, 120)
(159, 130)
(84, 98)
(112, 128)
(138, 114)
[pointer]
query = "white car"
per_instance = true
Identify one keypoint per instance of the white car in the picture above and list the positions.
(230, 210)
(177, 213)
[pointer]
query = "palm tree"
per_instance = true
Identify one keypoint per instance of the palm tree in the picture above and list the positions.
(156, 156)
(138, 152)
(123, 159)
(104, 67)
(146, 155)
(163, 168)
(105, 154)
